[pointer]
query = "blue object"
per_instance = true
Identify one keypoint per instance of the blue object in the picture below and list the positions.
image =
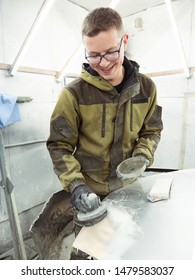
(9, 111)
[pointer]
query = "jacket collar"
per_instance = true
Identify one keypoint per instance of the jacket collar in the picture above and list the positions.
(131, 76)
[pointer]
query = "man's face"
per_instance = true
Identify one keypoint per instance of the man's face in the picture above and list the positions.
(111, 43)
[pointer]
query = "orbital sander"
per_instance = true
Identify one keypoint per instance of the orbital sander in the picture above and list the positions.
(96, 213)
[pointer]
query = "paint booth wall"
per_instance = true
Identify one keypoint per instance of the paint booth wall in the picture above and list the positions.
(29, 164)
(153, 46)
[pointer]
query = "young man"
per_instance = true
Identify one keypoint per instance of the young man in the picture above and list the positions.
(107, 115)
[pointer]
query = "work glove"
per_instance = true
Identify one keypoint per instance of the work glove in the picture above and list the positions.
(84, 200)
(132, 168)
(143, 159)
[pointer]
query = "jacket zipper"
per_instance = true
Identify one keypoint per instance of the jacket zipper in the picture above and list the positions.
(103, 120)
(131, 116)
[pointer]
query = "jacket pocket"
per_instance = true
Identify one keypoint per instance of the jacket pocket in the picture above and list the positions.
(63, 127)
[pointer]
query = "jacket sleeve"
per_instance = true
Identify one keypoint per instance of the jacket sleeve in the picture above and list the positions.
(63, 140)
(150, 133)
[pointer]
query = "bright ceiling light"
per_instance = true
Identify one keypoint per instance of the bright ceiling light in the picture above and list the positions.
(114, 3)
(177, 37)
(47, 4)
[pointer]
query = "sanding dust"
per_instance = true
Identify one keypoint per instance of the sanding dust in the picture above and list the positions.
(126, 233)
(110, 238)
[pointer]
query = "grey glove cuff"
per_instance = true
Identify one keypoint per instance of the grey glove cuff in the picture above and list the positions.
(74, 184)
(142, 158)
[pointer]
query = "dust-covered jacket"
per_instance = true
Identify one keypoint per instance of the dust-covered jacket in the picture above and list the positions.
(94, 127)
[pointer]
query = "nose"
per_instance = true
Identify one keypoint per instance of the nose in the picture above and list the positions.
(104, 62)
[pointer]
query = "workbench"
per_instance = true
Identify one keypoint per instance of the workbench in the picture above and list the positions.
(161, 230)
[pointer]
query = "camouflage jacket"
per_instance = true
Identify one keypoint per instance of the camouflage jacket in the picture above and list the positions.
(93, 128)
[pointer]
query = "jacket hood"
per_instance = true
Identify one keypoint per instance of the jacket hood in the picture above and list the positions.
(91, 76)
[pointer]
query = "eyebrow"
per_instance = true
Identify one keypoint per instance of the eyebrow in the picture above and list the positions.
(97, 53)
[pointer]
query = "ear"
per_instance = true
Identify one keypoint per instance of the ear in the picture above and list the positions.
(126, 37)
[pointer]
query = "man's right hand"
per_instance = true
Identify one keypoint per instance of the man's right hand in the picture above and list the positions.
(80, 199)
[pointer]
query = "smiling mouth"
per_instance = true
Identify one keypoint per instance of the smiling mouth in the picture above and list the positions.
(107, 71)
